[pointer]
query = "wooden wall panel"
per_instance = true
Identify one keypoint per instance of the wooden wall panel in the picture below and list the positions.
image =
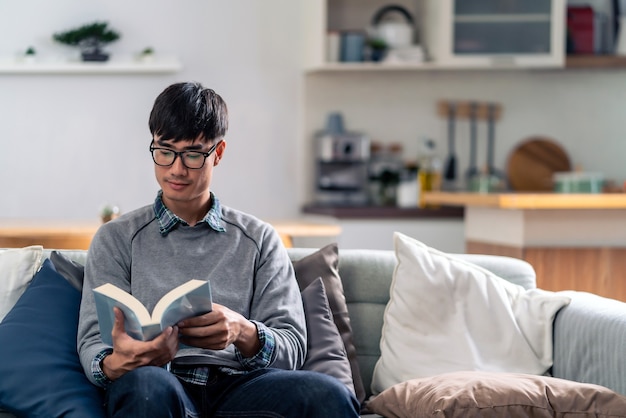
(68, 242)
(597, 270)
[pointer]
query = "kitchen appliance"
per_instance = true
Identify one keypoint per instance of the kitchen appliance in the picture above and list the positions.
(341, 165)
(488, 33)
(395, 34)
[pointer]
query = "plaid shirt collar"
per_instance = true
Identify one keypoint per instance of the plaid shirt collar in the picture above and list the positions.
(168, 220)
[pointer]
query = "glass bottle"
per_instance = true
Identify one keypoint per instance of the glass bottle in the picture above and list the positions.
(429, 170)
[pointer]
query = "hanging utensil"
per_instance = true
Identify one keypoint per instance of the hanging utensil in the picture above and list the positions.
(491, 115)
(450, 170)
(497, 179)
(473, 114)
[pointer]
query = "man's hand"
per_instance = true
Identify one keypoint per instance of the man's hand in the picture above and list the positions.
(128, 353)
(218, 329)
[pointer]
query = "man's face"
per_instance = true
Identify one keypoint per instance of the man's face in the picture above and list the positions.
(183, 187)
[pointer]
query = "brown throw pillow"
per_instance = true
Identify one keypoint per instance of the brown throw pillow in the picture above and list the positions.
(323, 263)
(486, 394)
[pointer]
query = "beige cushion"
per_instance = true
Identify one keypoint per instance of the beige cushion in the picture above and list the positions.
(445, 314)
(485, 394)
(17, 268)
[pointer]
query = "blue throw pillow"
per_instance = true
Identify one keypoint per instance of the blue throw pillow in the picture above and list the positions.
(40, 373)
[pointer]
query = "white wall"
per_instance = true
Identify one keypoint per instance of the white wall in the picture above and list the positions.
(70, 143)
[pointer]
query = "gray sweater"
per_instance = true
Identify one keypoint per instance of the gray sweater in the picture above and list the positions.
(247, 264)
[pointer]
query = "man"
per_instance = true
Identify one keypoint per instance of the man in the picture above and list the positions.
(241, 358)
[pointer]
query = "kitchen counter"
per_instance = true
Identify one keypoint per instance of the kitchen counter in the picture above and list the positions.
(574, 241)
(530, 200)
(383, 212)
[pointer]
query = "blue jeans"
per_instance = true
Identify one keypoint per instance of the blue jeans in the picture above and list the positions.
(153, 392)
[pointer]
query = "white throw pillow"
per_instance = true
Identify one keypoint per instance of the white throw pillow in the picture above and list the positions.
(446, 314)
(17, 268)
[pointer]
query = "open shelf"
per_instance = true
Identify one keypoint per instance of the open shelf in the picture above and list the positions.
(571, 62)
(595, 61)
(128, 65)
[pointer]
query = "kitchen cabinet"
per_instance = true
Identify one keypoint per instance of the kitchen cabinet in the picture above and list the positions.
(323, 16)
(492, 33)
(373, 227)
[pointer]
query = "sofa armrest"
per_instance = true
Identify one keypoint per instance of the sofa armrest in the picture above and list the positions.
(589, 341)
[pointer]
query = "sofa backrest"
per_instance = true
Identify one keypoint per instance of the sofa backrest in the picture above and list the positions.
(366, 276)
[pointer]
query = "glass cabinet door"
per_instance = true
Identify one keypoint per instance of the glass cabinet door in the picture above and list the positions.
(502, 27)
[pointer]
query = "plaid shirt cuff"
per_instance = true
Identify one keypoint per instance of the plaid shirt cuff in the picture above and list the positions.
(96, 370)
(263, 358)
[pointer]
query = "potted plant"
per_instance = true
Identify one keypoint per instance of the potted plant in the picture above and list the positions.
(90, 38)
(109, 212)
(30, 54)
(147, 54)
(377, 47)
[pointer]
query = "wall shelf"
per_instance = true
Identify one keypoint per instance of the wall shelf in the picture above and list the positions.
(121, 65)
(595, 61)
(571, 62)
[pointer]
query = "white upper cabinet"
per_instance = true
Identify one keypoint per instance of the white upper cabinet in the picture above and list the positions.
(495, 33)
(445, 34)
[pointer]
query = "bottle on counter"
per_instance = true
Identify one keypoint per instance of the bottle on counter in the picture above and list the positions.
(408, 188)
(384, 173)
(429, 169)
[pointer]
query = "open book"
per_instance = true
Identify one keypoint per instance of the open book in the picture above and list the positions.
(190, 299)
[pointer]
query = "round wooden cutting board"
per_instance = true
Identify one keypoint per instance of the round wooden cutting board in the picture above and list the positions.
(533, 162)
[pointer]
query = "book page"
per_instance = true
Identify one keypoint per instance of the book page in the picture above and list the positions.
(190, 299)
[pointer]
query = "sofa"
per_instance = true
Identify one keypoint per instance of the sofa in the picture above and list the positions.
(589, 333)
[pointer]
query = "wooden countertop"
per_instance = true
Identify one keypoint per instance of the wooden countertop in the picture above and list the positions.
(78, 234)
(529, 200)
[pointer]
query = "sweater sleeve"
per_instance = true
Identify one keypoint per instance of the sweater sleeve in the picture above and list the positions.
(105, 263)
(277, 304)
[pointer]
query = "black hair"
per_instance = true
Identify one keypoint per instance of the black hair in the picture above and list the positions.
(189, 111)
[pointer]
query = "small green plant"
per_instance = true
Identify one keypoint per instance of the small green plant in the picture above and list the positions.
(378, 48)
(90, 38)
(147, 51)
(377, 44)
(30, 51)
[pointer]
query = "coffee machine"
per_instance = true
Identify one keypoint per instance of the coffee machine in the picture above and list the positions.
(342, 160)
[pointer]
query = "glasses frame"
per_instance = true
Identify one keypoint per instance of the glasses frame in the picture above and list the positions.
(180, 154)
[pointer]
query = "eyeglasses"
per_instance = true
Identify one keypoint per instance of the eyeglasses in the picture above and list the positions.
(194, 160)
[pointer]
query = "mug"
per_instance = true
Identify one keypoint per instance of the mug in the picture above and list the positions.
(352, 46)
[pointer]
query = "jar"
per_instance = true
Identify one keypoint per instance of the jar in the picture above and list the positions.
(384, 173)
